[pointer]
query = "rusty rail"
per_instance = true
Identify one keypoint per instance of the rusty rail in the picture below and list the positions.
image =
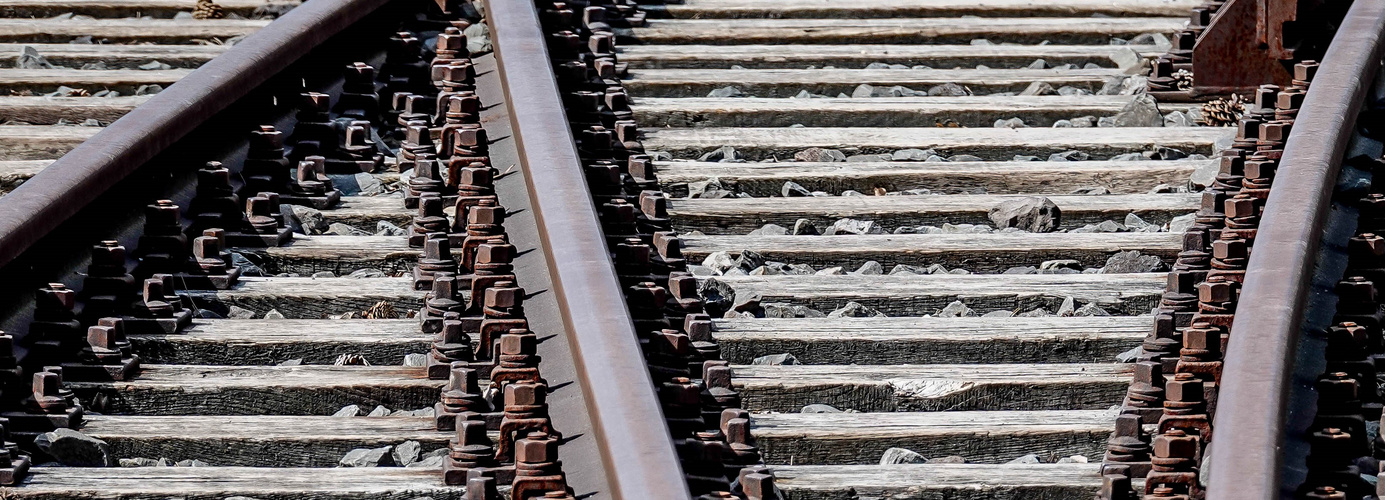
(58, 192)
(633, 438)
(1246, 462)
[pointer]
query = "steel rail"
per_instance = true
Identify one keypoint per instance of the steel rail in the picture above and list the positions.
(1246, 459)
(58, 192)
(632, 436)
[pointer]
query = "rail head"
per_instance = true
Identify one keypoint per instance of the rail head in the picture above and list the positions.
(1246, 461)
(58, 192)
(632, 436)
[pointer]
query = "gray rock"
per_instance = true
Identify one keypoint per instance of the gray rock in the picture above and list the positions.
(956, 309)
(863, 90)
(415, 359)
(1037, 312)
(1178, 119)
(949, 90)
(819, 408)
(343, 229)
(291, 362)
(138, 462)
(368, 457)
(273, 314)
(237, 312)
(710, 188)
(1132, 261)
(1090, 309)
(369, 185)
(432, 459)
(1071, 90)
(1075, 459)
(154, 66)
(895, 456)
(1050, 265)
(348, 411)
(1150, 39)
(719, 261)
(1038, 88)
(746, 302)
(1011, 123)
(799, 269)
(1027, 459)
(1182, 223)
(775, 359)
(912, 154)
(192, 462)
(748, 260)
(870, 268)
(1021, 270)
(1112, 86)
(998, 314)
(950, 459)
(819, 155)
(855, 310)
(379, 411)
(366, 273)
(74, 449)
(697, 270)
(1128, 60)
(247, 268)
(831, 271)
(1130, 356)
(1110, 226)
(324, 274)
(1084, 122)
(804, 227)
(915, 192)
(478, 39)
(852, 192)
(1056, 124)
(785, 310)
(853, 226)
(1142, 111)
(385, 228)
(907, 269)
(719, 154)
(406, 452)
(29, 58)
(966, 158)
(1091, 191)
(868, 158)
(792, 188)
(981, 41)
(1163, 153)
(728, 91)
(1069, 156)
(770, 230)
(1067, 307)
(1129, 157)
(309, 219)
(150, 89)
(717, 296)
(1106, 121)
(1031, 213)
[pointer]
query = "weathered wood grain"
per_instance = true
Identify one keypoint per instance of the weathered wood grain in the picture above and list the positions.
(762, 143)
(124, 30)
(888, 388)
(742, 215)
(218, 483)
(37, 142)
(968, 111)
(113, 56)
(860, 55)
(978, 436)
(887, 341)
(710, 9)
(931, 482)
(258, 441)
(261, 390)
(273, 341)
(832, 82)
(363, 212)
(1031, 30)
(40, 110)
(128, 8)
(994, 177)
(978, 253)
(914, 295)
(311, 298)
(125, 81)
(338, 254)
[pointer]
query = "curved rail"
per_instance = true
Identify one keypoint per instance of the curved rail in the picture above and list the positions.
(632, 435)
(70, 183)
(1246, 461)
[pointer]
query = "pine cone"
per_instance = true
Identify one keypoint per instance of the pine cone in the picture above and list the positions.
(1223, 112)
(1183, 79)
(207, 9)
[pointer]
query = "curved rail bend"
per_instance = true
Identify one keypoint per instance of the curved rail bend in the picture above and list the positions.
(1246, 463)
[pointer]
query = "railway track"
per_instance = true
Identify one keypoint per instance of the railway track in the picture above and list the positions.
(714, 249)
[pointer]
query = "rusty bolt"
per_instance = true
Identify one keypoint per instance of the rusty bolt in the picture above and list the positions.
(495, 253)
(504, 295)
(518, 343)
(1184, 388)
(537, 447)
(1175, 444)
(525, 394)
(1241, 205)
(1276, 130)
(1229, 249)
(1217, 291)
(1356, 289)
